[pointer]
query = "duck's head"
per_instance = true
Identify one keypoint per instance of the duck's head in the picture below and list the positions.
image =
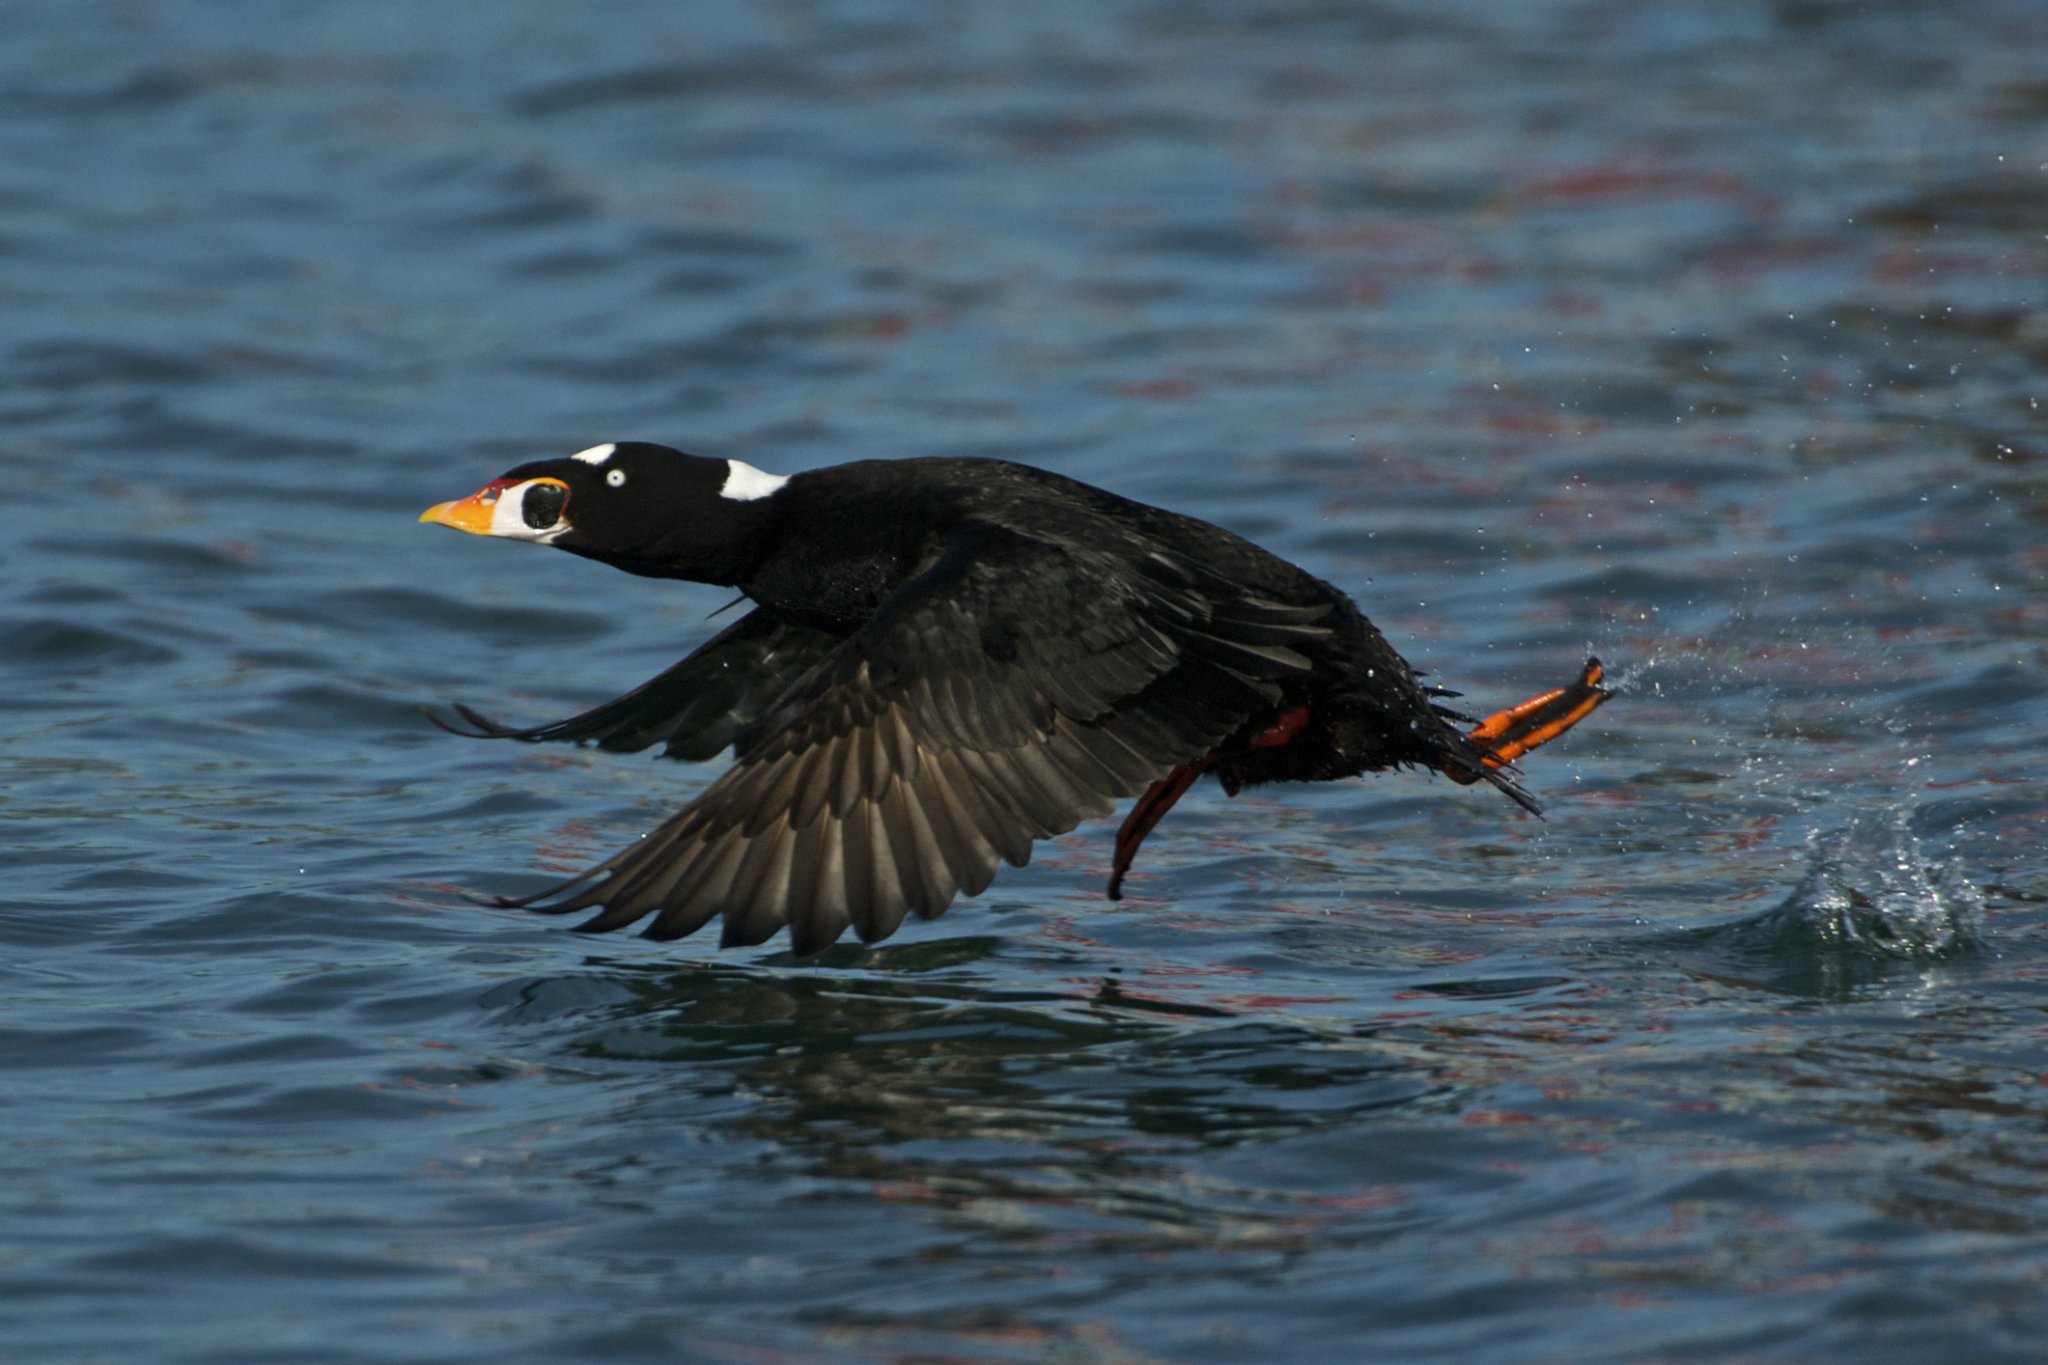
(634, 505)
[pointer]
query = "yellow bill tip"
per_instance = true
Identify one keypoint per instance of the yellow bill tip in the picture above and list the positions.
(472, 514)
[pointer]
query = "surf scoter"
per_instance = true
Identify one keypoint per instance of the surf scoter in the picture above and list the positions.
(947, 660)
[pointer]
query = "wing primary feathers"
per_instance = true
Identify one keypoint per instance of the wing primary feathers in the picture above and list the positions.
(760, 889)
(696, 707)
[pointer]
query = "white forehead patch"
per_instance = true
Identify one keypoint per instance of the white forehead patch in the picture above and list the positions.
(596, 454)
(744, 483)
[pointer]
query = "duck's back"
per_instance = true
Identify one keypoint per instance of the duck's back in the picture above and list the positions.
(855, 532)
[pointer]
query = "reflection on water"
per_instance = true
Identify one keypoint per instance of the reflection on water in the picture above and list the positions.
(850, 1062)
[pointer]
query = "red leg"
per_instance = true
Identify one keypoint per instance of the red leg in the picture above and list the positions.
(1149, 810)
(1506, 735)
(1283, 729)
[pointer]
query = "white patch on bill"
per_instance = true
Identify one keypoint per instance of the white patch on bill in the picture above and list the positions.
(744, 483)
(596, 454)
(508, 516)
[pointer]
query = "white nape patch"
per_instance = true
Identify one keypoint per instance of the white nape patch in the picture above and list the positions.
(508, 517)
(744, 483)
(596, 454)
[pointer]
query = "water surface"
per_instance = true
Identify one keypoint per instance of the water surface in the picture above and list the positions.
(1710, 337)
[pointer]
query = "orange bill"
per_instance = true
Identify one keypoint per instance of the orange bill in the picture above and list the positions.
(474, 513)
(1506, 735)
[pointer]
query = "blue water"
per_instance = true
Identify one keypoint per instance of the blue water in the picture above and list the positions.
(1710, 336)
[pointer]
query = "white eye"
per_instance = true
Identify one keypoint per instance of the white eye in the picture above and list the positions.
(617, 478)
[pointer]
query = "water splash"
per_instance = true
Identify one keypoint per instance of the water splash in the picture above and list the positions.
(1873, 887)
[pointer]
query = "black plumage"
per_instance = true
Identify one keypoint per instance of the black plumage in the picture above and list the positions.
(948, 660)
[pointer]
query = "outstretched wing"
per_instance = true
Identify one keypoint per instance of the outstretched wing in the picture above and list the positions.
(1008, 692)
(697, 707)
